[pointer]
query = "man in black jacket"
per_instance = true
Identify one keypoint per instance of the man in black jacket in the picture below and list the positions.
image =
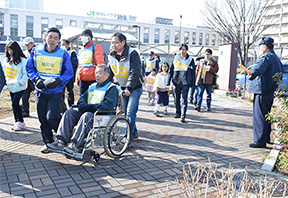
(182, 73)
(126, 66)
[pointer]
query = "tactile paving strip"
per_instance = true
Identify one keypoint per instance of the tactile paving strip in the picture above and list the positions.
(19, 144)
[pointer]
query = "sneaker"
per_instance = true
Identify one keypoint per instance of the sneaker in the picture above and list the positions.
(165, 112)
(182, 120)
(124, 141)
(177, 116)
(156, 113)
(71, 148)
(191, 101)
(44, 149)
(15, 125)
(56, 145)
(19, 126)
(197, 109)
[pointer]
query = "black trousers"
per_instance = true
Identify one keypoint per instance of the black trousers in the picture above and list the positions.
(26, 95)
(48, 110)
(69, 86)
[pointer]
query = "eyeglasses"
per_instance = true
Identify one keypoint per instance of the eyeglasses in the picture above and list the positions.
(115, 43)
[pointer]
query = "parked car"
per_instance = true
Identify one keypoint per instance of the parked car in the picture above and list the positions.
(240, 78)
(283, 86)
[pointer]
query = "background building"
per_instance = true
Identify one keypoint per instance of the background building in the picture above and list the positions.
(279, 28)
(16, 24)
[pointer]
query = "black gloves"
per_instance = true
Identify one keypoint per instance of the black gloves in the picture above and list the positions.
(39, 82)
(252, 77)
(53, 84)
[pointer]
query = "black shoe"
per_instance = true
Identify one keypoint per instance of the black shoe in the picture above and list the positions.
(177, 116)
(197, 109)
(208, 109)
(182, 120)
(191, 101)
(195, 104)
(25, 114)
(257, 145)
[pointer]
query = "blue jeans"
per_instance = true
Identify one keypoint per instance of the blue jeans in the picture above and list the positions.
(48, 110)
(15, 99)
(181, 94)
(130, 107)
(201, 88)
(193, 90)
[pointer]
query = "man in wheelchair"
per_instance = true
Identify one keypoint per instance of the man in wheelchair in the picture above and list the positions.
(100, 96)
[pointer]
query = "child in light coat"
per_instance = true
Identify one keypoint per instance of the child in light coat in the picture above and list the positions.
(162, 89)
(14, 67)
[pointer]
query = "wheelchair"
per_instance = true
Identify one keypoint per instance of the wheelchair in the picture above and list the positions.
(107, 132)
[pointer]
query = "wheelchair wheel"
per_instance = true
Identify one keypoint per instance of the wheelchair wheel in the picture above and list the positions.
(95, 158)
(117, 129)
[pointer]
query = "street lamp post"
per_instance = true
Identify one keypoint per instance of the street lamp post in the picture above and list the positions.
(180, 29)
(137, 26)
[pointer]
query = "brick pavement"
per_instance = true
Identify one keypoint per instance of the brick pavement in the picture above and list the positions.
(152, 162)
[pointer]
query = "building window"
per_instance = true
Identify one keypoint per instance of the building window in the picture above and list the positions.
(219, 40)
(29, 26)
(146, 35)
(176, 37)
(44, 24)
(167, 36)
(73, 23)
(213, 39)
(207, 39)
(13, 25)
(200, 38)
(156, 35)
(186, 37)
(194, 38)
(93, 26)
(59, 24)
(1, 26)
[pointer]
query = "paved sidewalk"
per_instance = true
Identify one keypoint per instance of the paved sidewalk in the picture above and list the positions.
(164, 146)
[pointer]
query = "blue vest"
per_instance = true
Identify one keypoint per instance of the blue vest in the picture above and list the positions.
(96, 94)
(48, 64)
(86, 56)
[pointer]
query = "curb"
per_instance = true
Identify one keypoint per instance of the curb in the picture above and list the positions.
(270, 162)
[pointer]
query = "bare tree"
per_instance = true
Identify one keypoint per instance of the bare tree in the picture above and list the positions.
(238, 21)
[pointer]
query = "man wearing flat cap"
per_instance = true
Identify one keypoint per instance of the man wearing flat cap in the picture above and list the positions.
(29, 43)
(89, 57)
(265, 74)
